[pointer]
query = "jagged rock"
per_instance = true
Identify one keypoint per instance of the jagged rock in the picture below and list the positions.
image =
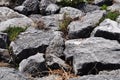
(32, 41)
(83, 28)
(114, 7)
(28, 7)
(89, 8)
(97, 77)
(11, 74)
(92, 55)
(72, 12)
(4, 40)
(52, 9)
(108, 29)
(10, 18)
(34, 65)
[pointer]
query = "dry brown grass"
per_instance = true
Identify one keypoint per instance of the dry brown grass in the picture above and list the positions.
(64, 75)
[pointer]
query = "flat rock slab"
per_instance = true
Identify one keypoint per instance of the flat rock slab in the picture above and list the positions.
(108, 29)
(32, 41)
(93, 53)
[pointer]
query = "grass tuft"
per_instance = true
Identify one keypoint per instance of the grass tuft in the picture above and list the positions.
(13, 32)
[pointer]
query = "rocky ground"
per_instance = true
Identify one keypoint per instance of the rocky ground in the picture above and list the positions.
(60, 42)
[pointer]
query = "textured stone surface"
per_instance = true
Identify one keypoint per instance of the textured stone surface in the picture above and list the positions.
(83, 28)
(34, 65)
(10, 18)
(114, 7)
(52, 9)
(11, 74)
(108, 29)
(32, 41)
(97, 53)
(72, 12)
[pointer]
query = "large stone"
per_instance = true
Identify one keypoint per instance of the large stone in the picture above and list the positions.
(93, 55)
(34, 65)
(72, 12)
(10, 18)
(32, 41)
(83, 28)
(108, 29)
(11, 74)
(28, 7)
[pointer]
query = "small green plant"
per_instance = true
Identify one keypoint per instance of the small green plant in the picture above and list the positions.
(104, 7)
(13, 32)
(64, 23)
(110, 15)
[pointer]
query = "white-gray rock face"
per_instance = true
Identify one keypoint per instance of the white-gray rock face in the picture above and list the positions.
(114, 7)
(10, 18)
(34, 65)
(108, 29)
(52, 9)
(83, 28)
(32, 41)
(11, 74)
(93, 55)
(72, 12)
